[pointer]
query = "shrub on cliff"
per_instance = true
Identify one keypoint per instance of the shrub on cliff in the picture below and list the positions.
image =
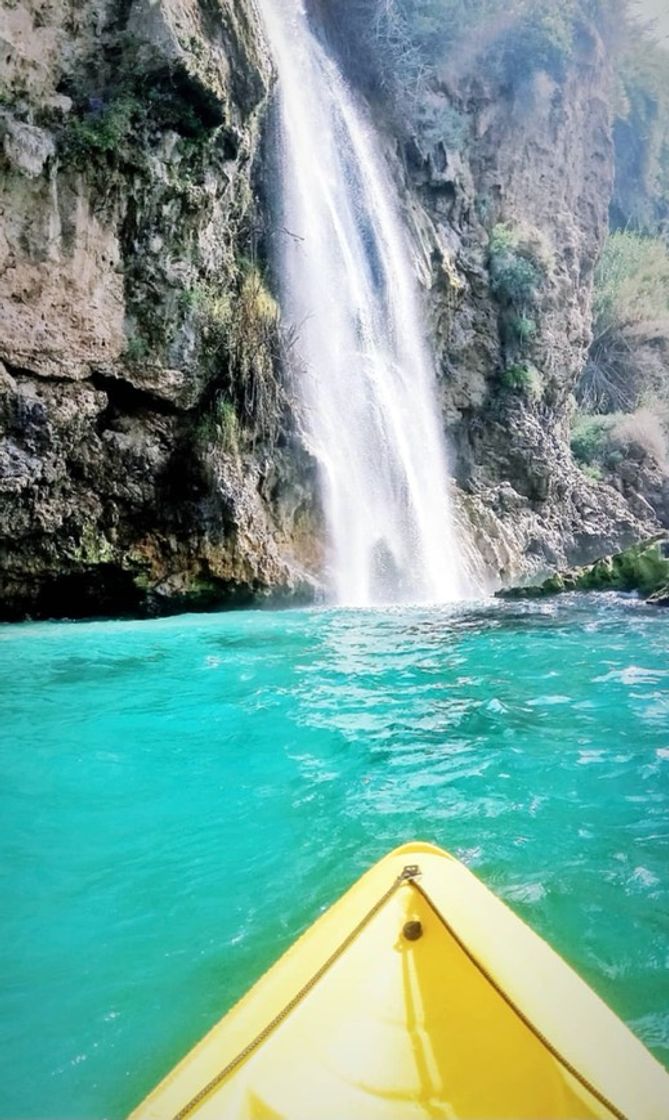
(102, 128)
(540, 36)
(239, 327)
(219, 426)
(401, 45)
(518, 261)
(631, 280)
(628, 362)
(641, 133)
(523, 379)
(641, 435)
(522, 327)
(589, 438)
(117, 124)
(604, 441)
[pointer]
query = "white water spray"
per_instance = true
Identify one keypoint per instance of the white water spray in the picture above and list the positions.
(367, 384)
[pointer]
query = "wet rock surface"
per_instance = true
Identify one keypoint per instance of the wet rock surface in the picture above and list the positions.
(643, 568)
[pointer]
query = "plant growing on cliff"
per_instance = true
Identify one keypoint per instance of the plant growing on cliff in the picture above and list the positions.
(103, 128)
(524, 379)
(239, 325)
(523, 327)
(255, 347)
(539, 36)
(137, 350)
(589, 438)
(604, 441)
(631, 280)
(517, 263)
(402, 45)
(641, 133)
(627, 361)
(219, 426)
(227, 425)
(592, 471)
(442, 123)
(119, 123)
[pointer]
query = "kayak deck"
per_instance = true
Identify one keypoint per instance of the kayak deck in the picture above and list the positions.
(418, 994)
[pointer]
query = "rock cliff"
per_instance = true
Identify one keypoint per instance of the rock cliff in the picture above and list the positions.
(507, 180)
(149, 455)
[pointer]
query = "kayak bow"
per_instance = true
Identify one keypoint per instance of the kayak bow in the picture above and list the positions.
(418, 994)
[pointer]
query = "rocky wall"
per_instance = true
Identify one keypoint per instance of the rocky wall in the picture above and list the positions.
(148, 452)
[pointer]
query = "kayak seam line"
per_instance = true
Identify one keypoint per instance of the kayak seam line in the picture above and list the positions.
(581, 1078)
(255, 1042)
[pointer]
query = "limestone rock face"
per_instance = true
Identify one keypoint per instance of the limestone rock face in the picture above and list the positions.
(148, 455)
(530, 162)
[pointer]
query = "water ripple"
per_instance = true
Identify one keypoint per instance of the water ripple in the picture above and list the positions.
(180, 798)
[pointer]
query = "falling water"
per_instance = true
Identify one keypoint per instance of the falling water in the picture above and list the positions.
(367, 384)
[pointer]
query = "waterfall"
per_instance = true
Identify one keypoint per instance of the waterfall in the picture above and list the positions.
(368, 388)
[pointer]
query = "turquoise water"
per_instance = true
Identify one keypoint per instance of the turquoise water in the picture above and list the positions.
(179, 798)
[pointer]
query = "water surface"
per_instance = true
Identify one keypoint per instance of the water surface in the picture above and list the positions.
(180, 798)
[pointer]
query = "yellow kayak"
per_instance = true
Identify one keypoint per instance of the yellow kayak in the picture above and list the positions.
(418, 994)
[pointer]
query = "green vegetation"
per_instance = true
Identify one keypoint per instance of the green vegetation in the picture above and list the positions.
(228, 424)
(440, 123)
(403, 44)
(517, 378)
(524, 379)
(522, 327)
(641, 198)
(593, 472)
(623, 393)
(110, 127)
(239, 327)
(518, 262)
(626, 367)
(540, 36)
(517, 269)
(602, 442)
(256, 301)
(643, 567)
(102, 129)
(137, 350)
(631, 281)
(219, 426)
(254, 348)
(590, 438)
(213, 308)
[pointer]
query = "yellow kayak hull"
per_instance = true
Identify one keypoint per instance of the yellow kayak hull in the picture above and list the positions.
(418, 994)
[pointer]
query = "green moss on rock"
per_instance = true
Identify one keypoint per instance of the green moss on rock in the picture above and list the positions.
(644, 568)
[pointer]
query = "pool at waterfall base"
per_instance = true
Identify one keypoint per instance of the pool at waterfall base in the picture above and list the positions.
(180, 798)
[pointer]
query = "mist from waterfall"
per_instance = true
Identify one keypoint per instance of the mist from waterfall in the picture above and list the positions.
(367, 385)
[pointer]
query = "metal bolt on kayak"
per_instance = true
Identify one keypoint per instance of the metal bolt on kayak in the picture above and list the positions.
(413, 930)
